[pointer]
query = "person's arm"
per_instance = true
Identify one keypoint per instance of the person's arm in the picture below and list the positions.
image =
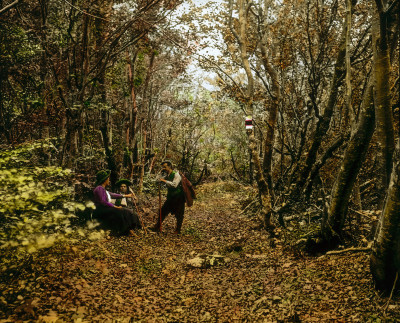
(120, 196)
(175, 182)
(100, 197)
(116, 196)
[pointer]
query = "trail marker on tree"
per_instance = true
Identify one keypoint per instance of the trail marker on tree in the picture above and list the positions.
(249, 123)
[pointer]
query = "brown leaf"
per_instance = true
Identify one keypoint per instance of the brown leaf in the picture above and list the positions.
(287, 264)
(119, 298)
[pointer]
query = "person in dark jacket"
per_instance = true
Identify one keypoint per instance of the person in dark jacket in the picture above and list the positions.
(175, 202)
(117, 218)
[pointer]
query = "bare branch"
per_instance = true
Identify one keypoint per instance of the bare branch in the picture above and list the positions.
(8, 7)
(392, 6)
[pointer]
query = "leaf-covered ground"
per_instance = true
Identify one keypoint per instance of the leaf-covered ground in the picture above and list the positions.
(146, 278)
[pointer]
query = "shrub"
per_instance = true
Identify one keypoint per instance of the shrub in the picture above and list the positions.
(36, 205)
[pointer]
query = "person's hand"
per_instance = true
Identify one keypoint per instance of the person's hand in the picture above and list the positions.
(133, 194)
(118, 207)
(128, 195)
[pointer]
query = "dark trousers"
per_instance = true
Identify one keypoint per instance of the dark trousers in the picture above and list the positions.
(176, 206)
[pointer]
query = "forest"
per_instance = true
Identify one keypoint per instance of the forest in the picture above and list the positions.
(283, 115)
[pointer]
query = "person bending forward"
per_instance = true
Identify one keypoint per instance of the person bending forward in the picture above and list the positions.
(175, 202)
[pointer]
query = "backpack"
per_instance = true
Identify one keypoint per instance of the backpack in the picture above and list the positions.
(188, 190)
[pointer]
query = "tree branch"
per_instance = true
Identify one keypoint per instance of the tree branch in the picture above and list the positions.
(8, 7)
(230, 22)
(392, 5)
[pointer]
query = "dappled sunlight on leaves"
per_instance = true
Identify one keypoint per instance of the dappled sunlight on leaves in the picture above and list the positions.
(36, 207)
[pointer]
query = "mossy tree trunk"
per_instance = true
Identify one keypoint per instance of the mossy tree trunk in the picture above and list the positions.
(354, 157)
(384, 117)
(263, 191)
(272, 110)
(243, 7)
(385, 257)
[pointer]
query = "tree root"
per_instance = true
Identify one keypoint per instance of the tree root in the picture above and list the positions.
(338, 252)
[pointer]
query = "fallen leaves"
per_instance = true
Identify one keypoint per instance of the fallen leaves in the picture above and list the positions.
(148, 278)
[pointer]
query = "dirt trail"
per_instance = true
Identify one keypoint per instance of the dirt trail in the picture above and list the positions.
(147, 278)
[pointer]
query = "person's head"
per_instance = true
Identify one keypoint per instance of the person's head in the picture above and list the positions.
(123, 188)
(123, 185)
(103, 178)
(166, 166)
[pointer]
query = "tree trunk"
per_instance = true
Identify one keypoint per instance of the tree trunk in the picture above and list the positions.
(272, 107)
(133, 116)
(101, 33)
(251, 168)
(320, 163)
(348, 116)
(71, 140)
(383, 110)
(5, 126)
(263, 191)
(144, 110)
(142, 159)
(243, 12)
(353, 158)
(105, 129)
(385, 257)
(272, 116)
(45, 131)
(264, 194)
(357, 201)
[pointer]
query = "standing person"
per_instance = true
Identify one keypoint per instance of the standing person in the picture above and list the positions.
(117, 218)
(175, 202)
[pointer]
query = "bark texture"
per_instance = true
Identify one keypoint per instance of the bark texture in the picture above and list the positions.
(385, 257)
(353, 158)
(384, 117)
(265, 197)
(241, 37)
(272, 115)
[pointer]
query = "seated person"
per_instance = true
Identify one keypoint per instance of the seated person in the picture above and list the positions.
(117, 218)
(124, 187)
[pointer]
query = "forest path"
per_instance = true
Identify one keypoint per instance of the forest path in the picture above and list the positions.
(147, 278)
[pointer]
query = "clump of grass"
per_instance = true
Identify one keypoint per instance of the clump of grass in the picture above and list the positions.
(149, 266)
(194, 232)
